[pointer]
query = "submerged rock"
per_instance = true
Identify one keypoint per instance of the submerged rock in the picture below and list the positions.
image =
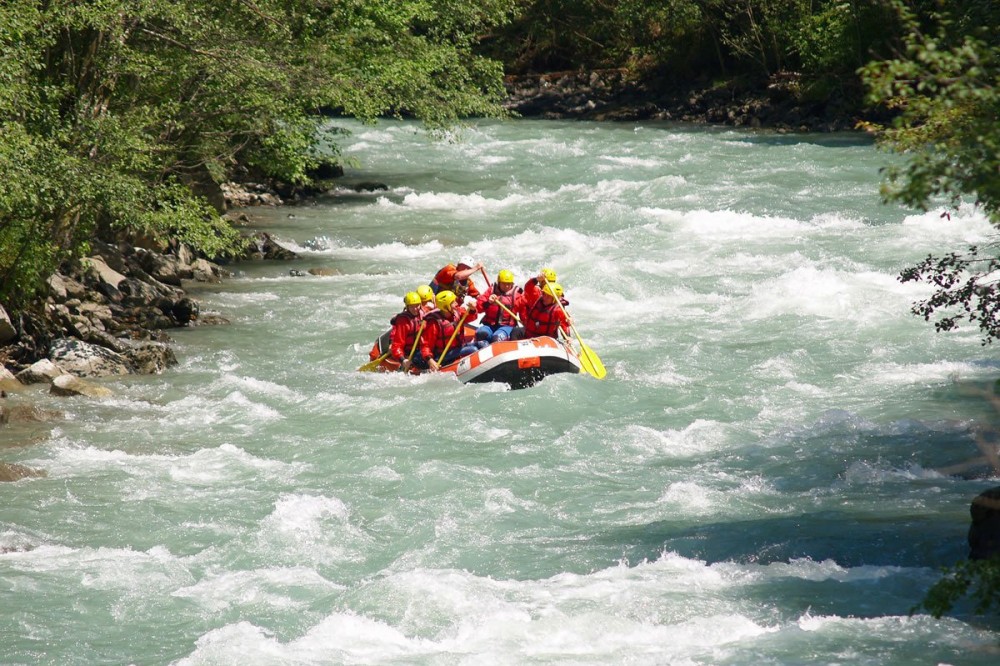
(14, 472)
(984, 533)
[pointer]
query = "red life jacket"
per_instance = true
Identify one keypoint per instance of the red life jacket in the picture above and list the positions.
(494, 315)
(404, 334)
(443, 328)
(541, 319)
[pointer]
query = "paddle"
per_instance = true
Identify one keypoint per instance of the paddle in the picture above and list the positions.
(416, 341)
(371, 366)
(458, 327)
(508, 311)
(591, 361)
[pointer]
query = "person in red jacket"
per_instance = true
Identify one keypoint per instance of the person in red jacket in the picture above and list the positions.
(545, 316)
(441, 325)
(404, 330)
(533, 287)
(497, 323)
(457, 279)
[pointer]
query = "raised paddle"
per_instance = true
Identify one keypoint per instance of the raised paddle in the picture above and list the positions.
(458, 327)
(591, 361)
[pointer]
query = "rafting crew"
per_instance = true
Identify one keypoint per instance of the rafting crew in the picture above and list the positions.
(421, 332)
(498, 303)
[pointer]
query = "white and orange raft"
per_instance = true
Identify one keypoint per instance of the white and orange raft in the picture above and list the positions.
(517, 363)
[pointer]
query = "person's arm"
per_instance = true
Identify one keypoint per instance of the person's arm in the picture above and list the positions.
(464, 273)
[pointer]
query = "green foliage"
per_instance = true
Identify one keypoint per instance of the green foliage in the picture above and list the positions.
(944, 90)
(978, 580)
(946, 96)
(114, 113)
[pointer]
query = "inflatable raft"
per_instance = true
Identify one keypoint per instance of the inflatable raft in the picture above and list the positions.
(517, 363)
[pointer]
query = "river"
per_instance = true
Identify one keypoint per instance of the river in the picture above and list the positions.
(755, 481)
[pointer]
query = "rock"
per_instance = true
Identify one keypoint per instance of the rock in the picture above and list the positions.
(203, 270)
(7, 330)
(25, 414)
(324, 272)
(69, 385)
(212, 319)
(105, 273)
(87, 360)
(57, 288)
(984, 533)
(8, 382)
(150, 358)
(166, 268)
(185, 311)
(370, 186)
(14, 472)
(40, 372)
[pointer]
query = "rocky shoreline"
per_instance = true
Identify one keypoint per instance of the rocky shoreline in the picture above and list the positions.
(109, 314)
(612, 95)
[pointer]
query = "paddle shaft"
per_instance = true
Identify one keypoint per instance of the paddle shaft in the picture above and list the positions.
(458, 327)
(416, 341)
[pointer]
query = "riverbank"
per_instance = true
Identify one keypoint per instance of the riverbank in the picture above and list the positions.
(612, 95)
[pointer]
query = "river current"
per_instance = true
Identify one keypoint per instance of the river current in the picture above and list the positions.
(758, 480)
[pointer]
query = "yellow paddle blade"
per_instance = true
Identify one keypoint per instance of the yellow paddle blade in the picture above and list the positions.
(372, 366)
(591, 362)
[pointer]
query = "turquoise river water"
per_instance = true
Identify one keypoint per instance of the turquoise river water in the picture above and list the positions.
(756, 481)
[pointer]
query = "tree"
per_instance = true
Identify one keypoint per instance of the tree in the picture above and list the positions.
(944, 89)
(114, 114)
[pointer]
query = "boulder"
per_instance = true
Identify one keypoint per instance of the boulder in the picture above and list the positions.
(8, 382)
(7, 330)
(984, 533)
(40, 372)
(70, 385)
(150, 358)
(87, 360)
(166, 268)
(105, 273)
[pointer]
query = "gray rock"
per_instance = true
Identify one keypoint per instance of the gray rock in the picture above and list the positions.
(105, 273)
(7, 330)
(150, 358)
(40, 372)
(87, 360)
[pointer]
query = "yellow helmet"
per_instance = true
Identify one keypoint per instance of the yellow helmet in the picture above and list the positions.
(411, 298)
(506, 277)
(553, 289)
(425, 293)
(549, 274)
(445, 299)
